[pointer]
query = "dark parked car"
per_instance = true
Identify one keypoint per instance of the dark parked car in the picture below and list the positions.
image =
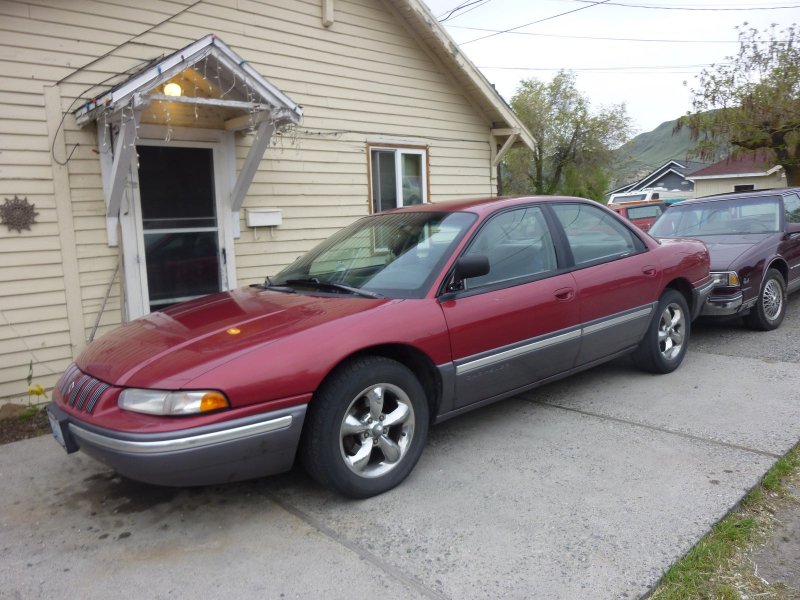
(641, 214)
(401, 319)
(754, 241)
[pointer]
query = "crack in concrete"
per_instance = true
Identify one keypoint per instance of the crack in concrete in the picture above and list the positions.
(682, 434)
(385, 566)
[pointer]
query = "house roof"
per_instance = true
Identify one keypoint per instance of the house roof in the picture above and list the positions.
(478, 89)
(683, 168)
(749, 165)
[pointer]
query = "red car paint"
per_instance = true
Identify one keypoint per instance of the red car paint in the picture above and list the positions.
(641, 214)
(267, 350)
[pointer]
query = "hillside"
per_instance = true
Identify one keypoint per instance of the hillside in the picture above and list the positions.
(650, 150)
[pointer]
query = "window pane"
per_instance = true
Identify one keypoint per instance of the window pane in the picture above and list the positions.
(181, 265)
(176, 187)
(384, 181)
(412, 179)
(791, 205)
(517, 244)
(594, 235)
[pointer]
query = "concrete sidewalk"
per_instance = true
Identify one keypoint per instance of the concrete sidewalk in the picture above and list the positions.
(588, 488)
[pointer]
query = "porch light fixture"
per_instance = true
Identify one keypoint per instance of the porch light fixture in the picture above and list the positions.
(173, 89)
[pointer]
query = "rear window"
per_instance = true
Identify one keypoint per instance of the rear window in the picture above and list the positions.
(644, 212)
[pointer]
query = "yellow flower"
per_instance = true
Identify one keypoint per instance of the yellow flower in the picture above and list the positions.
(36, 390)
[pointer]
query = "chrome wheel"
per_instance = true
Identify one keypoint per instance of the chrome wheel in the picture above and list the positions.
(772, 299)
(671, 329)
(377, 430)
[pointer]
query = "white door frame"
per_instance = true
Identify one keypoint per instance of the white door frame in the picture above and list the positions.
(222, 145)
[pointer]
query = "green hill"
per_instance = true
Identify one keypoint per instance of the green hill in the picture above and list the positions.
(650, 150)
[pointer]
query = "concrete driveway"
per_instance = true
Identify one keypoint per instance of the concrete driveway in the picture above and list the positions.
(588, 488)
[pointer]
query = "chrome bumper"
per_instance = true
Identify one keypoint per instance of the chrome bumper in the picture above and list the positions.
(241, 449)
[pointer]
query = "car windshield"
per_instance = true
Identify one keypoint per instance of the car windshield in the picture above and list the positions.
(395, 255)
(720, 217)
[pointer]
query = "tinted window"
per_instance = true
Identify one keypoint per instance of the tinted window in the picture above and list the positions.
(722, 217)
(395, 254)
(594, 235)
(791, 207)
(644, 212)
(518, 246)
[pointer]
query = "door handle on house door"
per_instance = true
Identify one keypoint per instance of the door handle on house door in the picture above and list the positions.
(564, 294)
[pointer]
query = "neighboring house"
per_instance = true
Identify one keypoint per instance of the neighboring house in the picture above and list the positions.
(739, 174)
(122, 192)
(672, 176)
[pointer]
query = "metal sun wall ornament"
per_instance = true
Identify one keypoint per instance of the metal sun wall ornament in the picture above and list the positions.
(18, 214)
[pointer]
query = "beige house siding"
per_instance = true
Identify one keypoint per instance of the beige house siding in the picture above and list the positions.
(364, 80)
(722, 185)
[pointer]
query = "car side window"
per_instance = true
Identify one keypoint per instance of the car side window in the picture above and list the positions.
(791, 207)
(595, 236)
(518, 245)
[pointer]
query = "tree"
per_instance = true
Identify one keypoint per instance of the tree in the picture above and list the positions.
(751, 102)
(573, 153)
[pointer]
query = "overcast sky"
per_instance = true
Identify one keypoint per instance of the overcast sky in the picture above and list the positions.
(647, 74)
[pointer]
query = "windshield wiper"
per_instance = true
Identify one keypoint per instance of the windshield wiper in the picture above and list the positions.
(313, 281)
(268, 285)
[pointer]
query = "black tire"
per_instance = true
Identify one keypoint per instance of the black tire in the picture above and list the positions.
(769, 310)
(348, 443)
(664, 345)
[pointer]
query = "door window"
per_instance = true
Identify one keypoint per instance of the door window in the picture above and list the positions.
(179, 223)
(791, 207)
(398, 178)
(518, 246)
(594, 235)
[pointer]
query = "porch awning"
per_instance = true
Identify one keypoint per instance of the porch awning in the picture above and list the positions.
(205, 84)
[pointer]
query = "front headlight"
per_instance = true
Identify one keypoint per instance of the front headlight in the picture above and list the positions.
(161, 402)
(725, 279)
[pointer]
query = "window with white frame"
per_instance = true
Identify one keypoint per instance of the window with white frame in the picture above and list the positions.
(399, 177)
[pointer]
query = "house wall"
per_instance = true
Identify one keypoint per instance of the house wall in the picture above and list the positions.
(722, 185)
(363, 80)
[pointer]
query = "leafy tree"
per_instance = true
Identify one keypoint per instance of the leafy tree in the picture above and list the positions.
(751, 102)
(573, 153)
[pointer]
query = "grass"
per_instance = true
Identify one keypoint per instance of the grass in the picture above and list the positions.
(717, 567)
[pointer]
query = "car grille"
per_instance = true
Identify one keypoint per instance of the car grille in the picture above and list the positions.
(79, 390)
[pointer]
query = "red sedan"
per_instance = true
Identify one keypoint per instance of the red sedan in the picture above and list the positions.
(403, 319)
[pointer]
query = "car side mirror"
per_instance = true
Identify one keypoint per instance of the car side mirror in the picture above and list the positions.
(473, 265)
(793, 230)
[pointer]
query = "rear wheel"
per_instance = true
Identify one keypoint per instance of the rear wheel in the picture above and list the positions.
(664, 345)
(769, 310)
(366, 428)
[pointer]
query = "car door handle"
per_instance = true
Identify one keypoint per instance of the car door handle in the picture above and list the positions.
(565, 294)
(649, 270)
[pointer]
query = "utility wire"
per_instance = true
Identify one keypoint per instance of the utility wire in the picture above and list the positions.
(535, 22)
(464, 5)
(694, 8)
(591, 37)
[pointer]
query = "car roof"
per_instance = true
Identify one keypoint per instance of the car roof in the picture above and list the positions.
(745, 194)
(485, 205)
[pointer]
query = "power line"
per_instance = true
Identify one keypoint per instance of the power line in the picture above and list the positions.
(693, 8)
(466, 6)
(590, 37)
(653, 68)
(535, 22)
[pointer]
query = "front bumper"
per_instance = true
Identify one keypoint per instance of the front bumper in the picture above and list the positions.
(700, 296)
(231, 451)
(727, 306)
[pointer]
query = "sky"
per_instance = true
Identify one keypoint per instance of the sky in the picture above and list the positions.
(649, 48)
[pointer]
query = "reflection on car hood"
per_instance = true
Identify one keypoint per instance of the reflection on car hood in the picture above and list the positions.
(167, 349)
(726, 249)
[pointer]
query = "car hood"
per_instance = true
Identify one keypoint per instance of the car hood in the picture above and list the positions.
(726, 250)
(167, 349)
